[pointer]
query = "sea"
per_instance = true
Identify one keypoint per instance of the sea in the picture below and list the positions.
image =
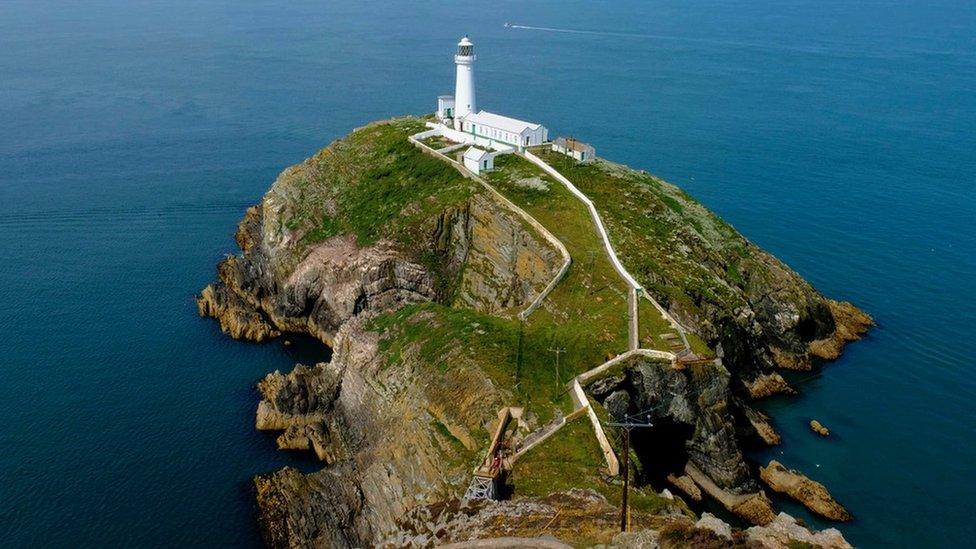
(837, 134)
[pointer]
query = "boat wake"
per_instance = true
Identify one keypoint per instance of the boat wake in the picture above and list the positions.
(836, 50)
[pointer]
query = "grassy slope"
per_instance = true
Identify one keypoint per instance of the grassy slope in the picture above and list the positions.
(650, 222)
(586, 315)
(593, 297)
(572, 459)
(374, 184)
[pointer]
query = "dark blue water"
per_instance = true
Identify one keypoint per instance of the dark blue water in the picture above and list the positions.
(838, 135)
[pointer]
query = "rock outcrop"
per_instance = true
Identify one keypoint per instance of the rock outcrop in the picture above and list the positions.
(786, 531)
(765, 385)
(782, 532)
(693, 401)
(297, 403)
(818, 428)
(569, 516)
(810, 493)
(489, 262)
(386, 432)
(758, 424)
(686, 484)
(316, 510)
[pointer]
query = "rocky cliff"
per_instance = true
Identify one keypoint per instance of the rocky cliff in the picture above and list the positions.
(414, 274)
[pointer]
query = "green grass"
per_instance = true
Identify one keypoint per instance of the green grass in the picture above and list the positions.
(571, 458)
(437, 142)
(591, 301)
(652, 326)
(675, 247)
(444, 338)
(374, 184)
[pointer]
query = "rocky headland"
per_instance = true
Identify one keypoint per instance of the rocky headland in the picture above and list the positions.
(414, 275)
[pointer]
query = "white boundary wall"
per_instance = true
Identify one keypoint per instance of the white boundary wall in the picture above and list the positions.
(593, 213)
(591, 375)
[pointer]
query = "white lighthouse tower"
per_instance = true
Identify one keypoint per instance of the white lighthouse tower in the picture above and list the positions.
(464, 84)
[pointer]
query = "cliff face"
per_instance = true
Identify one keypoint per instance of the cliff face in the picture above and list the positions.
(692, 404)
(393, 432)
(393, 436)
(413, 275)
(296, 276)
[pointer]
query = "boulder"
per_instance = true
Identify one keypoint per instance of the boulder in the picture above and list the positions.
(709, 521)
(686, 485)
(786, 532)
(818, 428)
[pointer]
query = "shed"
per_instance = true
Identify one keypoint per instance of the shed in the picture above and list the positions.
(445, 106)
(577, 149)
(478, 160)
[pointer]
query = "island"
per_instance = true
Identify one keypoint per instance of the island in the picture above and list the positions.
(516, 336)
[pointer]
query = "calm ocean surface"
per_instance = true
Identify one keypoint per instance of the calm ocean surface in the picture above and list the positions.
(837, 135)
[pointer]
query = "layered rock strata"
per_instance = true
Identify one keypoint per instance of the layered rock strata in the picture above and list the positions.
(813, 495)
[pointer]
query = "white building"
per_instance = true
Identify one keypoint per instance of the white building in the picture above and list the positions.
(445, 106)
(577, 149)
(478, 160)
(488, 128)
(484, 128)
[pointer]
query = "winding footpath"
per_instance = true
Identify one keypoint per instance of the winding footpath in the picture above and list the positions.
(581, 403)
(635, 287)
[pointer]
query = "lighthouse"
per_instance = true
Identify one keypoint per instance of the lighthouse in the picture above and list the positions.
(464, 83)
(481, 128)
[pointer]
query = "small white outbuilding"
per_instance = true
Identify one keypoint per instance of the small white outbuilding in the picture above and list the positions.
(445, 106)
(577, 149)
(478, 160)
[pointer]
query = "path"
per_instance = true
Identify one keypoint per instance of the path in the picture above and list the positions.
(485, 476)
(567, 260)
(635, 286)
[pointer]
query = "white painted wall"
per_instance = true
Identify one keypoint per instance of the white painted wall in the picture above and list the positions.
(487, 135)
(488, 163)
(464, 101)
(445, 104)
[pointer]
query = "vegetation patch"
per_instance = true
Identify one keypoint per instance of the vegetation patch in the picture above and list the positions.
(374, 184)
(676, 248)
(571, 458)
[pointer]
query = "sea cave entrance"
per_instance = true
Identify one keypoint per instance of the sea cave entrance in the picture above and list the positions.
(661, 450)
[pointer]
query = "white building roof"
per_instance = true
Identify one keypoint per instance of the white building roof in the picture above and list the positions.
(475, 154)
(500, 122)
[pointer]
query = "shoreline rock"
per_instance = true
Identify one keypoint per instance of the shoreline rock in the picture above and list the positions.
(813, 495)
(819, 428)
